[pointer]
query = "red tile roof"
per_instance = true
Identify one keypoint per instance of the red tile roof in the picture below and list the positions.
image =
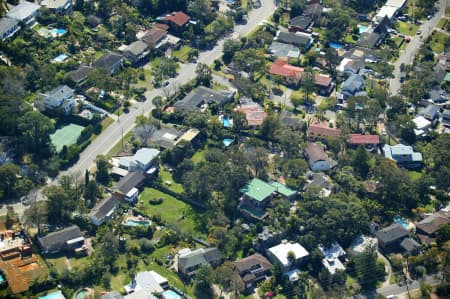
(161, 26)
(254, 113)
(322, 129)
(282, 68)
(323, 80)
(179, 18)
(363, 139)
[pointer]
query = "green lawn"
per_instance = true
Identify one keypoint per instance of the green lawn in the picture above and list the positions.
(438, 41)
(406, 28)
(116, 148)
(414, 175)
(167, 176)
(174, 212)
(182, 53)
(351, 38)
(147, 83)
(442, 22)
(447, 10)
(199, 156)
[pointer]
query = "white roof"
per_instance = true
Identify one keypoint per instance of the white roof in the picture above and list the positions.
(23, 10)
(280, 252)
(331, 257)
(55, 4)
(132, 192)
(395, 3)
(421, 122)
(362, 243)
(388, 11)
(343, 63)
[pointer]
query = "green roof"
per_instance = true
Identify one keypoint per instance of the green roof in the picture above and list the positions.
(258, 190)
(447, 77)
(283, 189)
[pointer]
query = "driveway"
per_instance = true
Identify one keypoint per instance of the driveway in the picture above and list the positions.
(407, 55)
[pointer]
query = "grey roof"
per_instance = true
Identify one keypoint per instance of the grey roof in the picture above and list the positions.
(23, 10)
(301, 22)
(104, 207)
(297, 39)
(137, 48)
(60, 91)
(288, 119)
(409, 244)
(6, 24)
(56, 4)
(313, 10)
(112, 295)
(130, 181)
(251, 263)
(319, 180)
(56, 241)
(353, 84)
(199, 257)
(431, 110)
(391, 233)
(369, 39)
(108, 60)
(165, 137)
(315, 152)
(282, 50)
(446, 114)
(202, 95)
(79, 74)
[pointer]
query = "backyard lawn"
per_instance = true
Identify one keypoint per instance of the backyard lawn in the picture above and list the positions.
(438, 41)
(166, 176)
(174, 212)
(406, 28)
(199, 156)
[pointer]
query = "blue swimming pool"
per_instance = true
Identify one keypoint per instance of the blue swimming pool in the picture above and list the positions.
(58, 32)
(60, 58)
(54, 295)
(226, 122)
(400, 220)
(227, 142)
(132, 222)
(362, 28)
(2, 279)
(170, 294)
(335, 45)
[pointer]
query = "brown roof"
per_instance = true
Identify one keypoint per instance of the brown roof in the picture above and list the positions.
(179, 18)
(254, 113)
(315, 152)
(246, 264)
(161, 26)
(433, 223)
(153, 36)
(321, 129)
(363, 139)
(323, 80)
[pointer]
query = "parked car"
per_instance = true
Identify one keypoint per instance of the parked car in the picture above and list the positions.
(165, 83)
(419, 32)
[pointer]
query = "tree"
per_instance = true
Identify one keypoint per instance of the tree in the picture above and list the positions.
(35, 133)
(8, 179)
(251, 61)
(203, 283)
(204, 75)
(361, 162)
(308, 82)
(225, 276)
(230, 47)
(367, 269)
(91, 192)
(36, 214)
(297, 7)
(102, 174)
(269, 127)
(239, 121)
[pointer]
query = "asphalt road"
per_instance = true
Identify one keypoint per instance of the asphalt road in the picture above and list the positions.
(414, 285)
(408, 54)
(111, 135)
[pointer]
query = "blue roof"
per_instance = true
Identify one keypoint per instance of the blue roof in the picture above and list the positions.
(353, 84)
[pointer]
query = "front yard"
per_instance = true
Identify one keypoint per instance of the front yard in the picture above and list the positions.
(406, 28)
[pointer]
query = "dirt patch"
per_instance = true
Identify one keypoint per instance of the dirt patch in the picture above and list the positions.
(29, 267)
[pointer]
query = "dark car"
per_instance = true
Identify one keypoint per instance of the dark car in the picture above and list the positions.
(165, 84)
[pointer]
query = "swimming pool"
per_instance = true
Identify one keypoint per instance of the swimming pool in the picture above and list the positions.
(54, 295)
(227, 142)
(81, 294)
(58, 32)
(226, 122)
(60, 58)
(362, 28)
(400, 220)
(2, 279)
(335, 45)
(133, 222)
(170, 294)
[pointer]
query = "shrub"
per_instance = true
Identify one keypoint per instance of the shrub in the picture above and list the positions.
(156, 201)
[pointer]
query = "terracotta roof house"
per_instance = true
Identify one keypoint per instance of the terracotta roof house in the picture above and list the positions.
(112, 62)
(254, 112)
(253, 269)
(427, 228)
(161, 26)
(291, 74)
(300, 23)
(317, 158)
(67, 239)
(389, 238)
(371, 142)
(177, 19)
(324, 83)
(318, 129)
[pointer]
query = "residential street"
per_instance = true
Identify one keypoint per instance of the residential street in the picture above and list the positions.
(397, 290)
(407, 55)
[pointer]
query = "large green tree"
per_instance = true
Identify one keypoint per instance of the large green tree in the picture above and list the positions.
(35, 131)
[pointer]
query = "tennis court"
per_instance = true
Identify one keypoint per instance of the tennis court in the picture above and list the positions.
(66, 135)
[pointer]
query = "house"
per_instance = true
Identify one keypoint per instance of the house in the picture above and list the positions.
(390, 238)
(111, 62)
(430, 112)
(58, 6)
(154, 37)
(26, 12)
(404, 155)
(319, 180)
(67, 239)
(258, 192)
(254, 112)
(422, 125)
(446, 118)
(313, 10)
(103, 210)
(351, 66)
(370, 142)
(317, 129)
(8, 27)
(399, 4)
(59, 97)
(300, 23)
(79, 75)
(298, 39)
(136, 51)
(352, 85)
(385, 12)
(112, 295)
(148, 282)
(268, 238)
(317, 159)
(142, 160)
(177, 19)
(324, 84)
(427, 228)
(289, 120)
(284, 191)
(363, 243)
(252, 269)
(334, 257)
(291, 74)
(280, 254)
(128, 186)
(285, 51)
(201, 97)
(190, 261)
